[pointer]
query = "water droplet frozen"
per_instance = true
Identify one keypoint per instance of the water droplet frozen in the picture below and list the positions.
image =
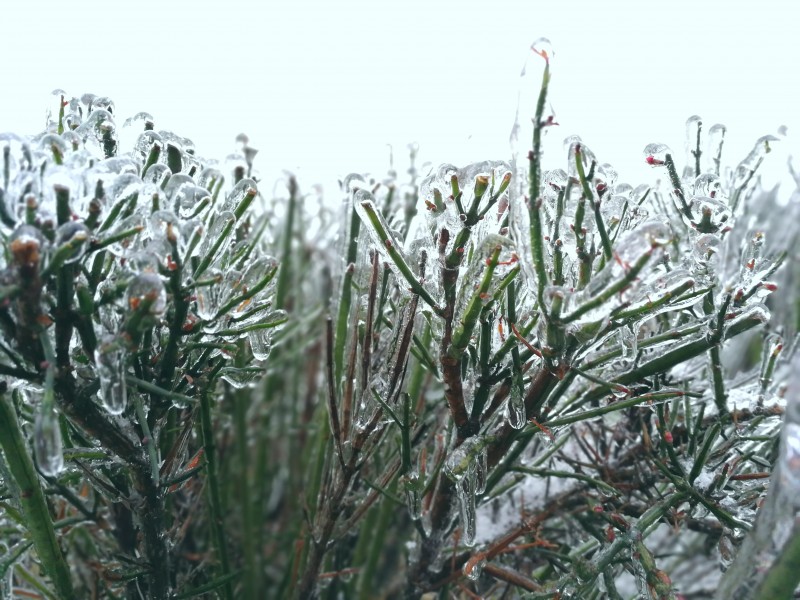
(157, 174)
(59, 180)
(54, 147)
(612, 209)
(515, 408)
(77, 235)
(47, 445)
(99, 133)
(544, 48)
(716, 139)
(145, 142)
(353, 182)
(553, 184)
(711, 215)
(215, 232)
(710, 185)
(209, 297)
(655, 155)
(753, 159)
(474, 568)
(241, 378)
(586, 155)
(648, 235)
(141, 117)
(181, 143)
(128, 244)
(146, 291)
(261, 339)
(209, 178)
(246, 187)
(189, 198)
(706, 252)
(110, 363)
(103, 103)
(260, 343)
(74, 141)
(123, 186)
(605, 178)
(165, 230)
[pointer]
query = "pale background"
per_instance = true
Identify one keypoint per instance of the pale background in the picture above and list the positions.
(321, 87)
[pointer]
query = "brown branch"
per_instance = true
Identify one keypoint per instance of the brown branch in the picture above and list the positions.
(513, 577)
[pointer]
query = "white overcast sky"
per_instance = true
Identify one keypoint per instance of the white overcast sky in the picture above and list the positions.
(321, 87)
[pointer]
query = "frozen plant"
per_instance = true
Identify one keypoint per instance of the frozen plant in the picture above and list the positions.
(136, 294)
(534, 366)
(499, 381)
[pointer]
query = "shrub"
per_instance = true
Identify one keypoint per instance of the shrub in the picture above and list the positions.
(516, 382)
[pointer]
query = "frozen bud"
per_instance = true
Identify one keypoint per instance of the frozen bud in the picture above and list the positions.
(655, 155)
(146, 292)
(26, 244)
(74, 235)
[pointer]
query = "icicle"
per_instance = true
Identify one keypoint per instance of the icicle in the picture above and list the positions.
(515, 408)
(47, 445)
(466, 467)
(465, 491)
(412, 486)
(109, 359)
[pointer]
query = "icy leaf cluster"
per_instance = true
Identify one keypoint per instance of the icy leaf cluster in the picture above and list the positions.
(134, 282)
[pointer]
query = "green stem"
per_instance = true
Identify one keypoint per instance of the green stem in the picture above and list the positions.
(31, 498)
(463, 332)
(416, 287)
(607, 293)
(282, 288)
(217, 526)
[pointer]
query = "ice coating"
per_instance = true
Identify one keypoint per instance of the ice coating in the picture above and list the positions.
(656, 154)
(243, 189)
(209, 296)
(466, 467)
(716, 140)
(515, 407)
(411, 485)
(146, 292)
(754, 158)
(694, 127)
(712, 215)
(222, 221)
(110, 364)
(261, 339)
(710, 185)
(366, 209)
(47, 444)
(579, 151)
(77, 236)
